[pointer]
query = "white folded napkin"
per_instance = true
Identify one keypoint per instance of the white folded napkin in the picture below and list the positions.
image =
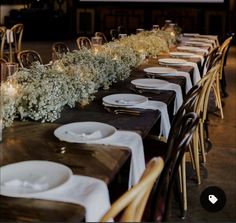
(193, 49)
(94, 135)
(9, 34)
(212, 41)
(21, 185)
(198, 43)
(126, 102)
(86, 191)
(198, 56)
(188, 85)
(134, 142)
(172, 87)
(212, 37)
(196, 72)
(162, 107)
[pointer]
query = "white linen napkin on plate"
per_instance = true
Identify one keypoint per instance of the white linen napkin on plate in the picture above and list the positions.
(155, 105)
(89, 192)
(83, 136)
(171, 87)
(193, 49)
(37, 185)
(134, 142)
(196, 73)
(198, 43)
(198, 56)
(212, 41)
(188, 85)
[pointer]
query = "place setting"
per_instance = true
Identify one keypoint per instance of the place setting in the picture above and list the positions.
(105, 134)
(181, 62)
(193, 49)
(47, 180)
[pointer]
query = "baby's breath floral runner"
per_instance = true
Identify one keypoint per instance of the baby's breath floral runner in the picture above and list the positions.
(41, 92)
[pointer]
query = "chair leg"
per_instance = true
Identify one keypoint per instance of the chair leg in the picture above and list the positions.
(216, 89)
(196, 155)
(223, 84)
(184, 185)
(191, 157)
(202, 141)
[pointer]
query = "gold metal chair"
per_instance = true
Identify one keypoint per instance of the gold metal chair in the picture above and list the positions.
(133, 202)
(58, 50)
(100, 34)
(83, 42)
(15, 46)
(2, 39)
(27, 57)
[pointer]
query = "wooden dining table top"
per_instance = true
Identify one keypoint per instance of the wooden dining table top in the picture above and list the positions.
(28, 140)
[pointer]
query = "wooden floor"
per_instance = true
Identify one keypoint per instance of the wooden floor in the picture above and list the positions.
(220, 168)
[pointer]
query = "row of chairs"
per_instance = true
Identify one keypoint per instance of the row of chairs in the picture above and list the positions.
(185, 135)
(150, 199)
(11, 41)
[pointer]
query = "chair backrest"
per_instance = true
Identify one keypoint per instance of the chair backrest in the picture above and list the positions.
(160, 198)
(187, 106)
(100, 34)
(209, 62)
(58, 50)
(2, 39)
(83, 42)
(27, 57)
(114, 34)
(206, 83)
(223, 50)
(133, 202)
(14, 47)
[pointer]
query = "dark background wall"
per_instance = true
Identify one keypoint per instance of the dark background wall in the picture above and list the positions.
(69, 19)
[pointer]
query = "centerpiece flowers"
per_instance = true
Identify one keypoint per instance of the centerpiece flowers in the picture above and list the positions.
(42, 91)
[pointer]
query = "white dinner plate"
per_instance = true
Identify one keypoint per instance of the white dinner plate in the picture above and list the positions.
(160, 70)
(196, 43)
(124, 100)
(149, 83)
(202, 40)
(189, 48)
(30, 177)
(181, 54)
(84, 132)
(172, 61)
(190, 34)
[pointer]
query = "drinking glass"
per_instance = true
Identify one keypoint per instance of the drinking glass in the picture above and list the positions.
(8, 69)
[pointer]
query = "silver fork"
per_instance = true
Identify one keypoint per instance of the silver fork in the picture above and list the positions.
(122, 111)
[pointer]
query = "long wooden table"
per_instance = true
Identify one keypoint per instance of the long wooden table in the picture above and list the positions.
(35, 141)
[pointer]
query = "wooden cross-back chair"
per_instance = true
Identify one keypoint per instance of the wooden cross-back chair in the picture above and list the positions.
(27, 57)
(101, 34)
(133, 202)
(15, 46)
(58, 50)
(84, 42)
(159, 204)
(224, 50)
(2, 39)
(114, 34)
